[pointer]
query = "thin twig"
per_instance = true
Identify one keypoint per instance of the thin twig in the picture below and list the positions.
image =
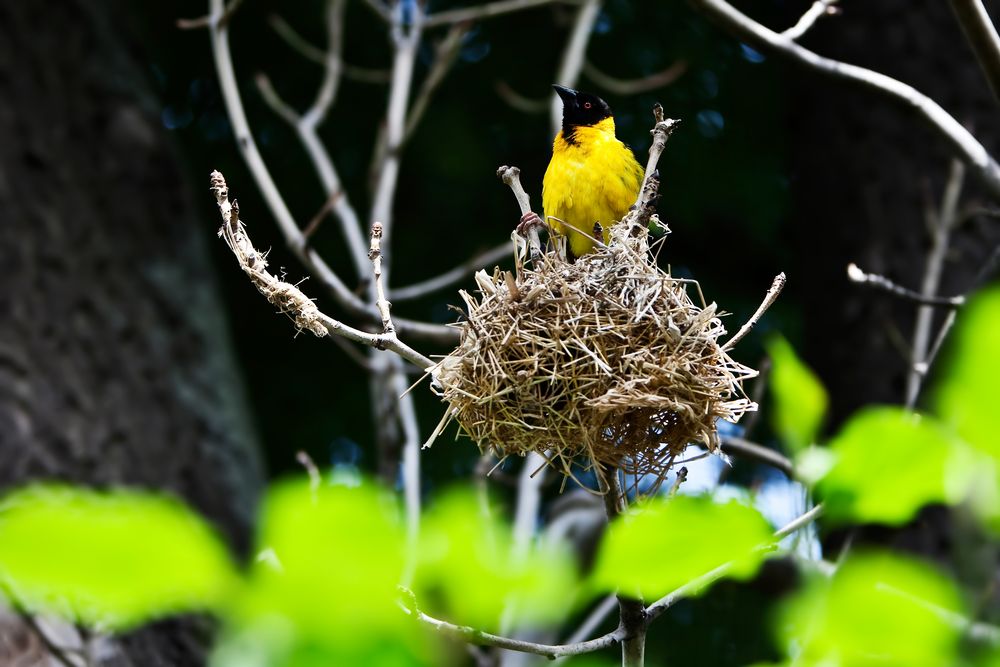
(856, 275)
(949, 321)
(333, 65)
(751, 450)
(313, 225)
(529, 500)
(654, 610)
(511, 176)
(274, 101)
(662, 129)
(643, 84)
(287, 297)
(772, 294)
(303, 47)
(411, 467)
(406, 41)
(380, 10)
(375, 255)
(466, 268)
(519, 102)
(982, 36)
(480, 638)
(294, 238)
(315, 478)
(573, 56)
(818, 10)
(593, 621)
(965, 145)
(633, 617)
(800, 521)
(700, 583)
(943, 223)
(489, 10)
(60, 653)
(220, 20)
(446, 53)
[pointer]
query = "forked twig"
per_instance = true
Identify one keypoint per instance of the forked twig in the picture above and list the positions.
(289, 299)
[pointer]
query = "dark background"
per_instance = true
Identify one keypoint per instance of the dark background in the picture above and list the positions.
(134, 349)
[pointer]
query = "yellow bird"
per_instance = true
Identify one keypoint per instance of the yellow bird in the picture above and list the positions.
(592, 176)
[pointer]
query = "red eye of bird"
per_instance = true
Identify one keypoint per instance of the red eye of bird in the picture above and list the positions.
(587, 105)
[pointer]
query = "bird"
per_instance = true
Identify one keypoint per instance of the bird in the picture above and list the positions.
(592, 176)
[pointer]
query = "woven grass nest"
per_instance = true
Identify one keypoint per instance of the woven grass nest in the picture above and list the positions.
(606, 359)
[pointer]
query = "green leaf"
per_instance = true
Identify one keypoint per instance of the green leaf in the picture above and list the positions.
(664, 543)
(324, 590)
(965, 401)
(112, 559)
(468, 562)
(888, 463)
(877, 609)
(799, 399)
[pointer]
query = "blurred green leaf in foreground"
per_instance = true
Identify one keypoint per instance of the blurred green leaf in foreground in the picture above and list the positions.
(665, 543)
(109, 560)
(877, 609)
(799, 400)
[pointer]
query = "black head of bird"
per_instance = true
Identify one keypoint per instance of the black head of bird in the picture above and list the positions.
(581, 109)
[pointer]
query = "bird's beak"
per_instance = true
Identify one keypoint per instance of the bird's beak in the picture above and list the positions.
(567, 95)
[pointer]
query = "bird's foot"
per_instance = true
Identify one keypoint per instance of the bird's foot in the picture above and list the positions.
(528, 221)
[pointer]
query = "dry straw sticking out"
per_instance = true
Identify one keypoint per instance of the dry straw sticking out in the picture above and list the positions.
(606, 359)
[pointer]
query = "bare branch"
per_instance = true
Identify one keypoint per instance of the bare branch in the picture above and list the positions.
(262, 176)
(303, 47)
(982, 36)
(656, 609)
(943, 223)
(699, 583)
(856, 275)
(479, 638)
(949, 321)
(313, 225)
(661, 132)
(274, 100)
(800, 521)
(772, 294)
(511, 176)
(489, 10)
(288, 298)
(410, 464)
(966, 146)
(213, 20)
(380, 9)
(466, 268)
(633, 617)
(573, 56)
(375, 255)
(445, 55)
(818, 10)
(634, 86)
(405, 43)
(315, 478)
(593, 621)
(520, 102)
(751, 450)
(333, 65)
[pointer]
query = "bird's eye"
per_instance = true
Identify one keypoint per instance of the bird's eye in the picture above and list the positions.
(587, 105)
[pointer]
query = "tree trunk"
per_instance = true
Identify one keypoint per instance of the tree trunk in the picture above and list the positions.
(115, 366)
(865, 172)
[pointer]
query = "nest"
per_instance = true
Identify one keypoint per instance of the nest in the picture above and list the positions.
(603, 360)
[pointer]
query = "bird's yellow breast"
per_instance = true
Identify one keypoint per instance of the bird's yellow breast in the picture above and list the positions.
(592, 177)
